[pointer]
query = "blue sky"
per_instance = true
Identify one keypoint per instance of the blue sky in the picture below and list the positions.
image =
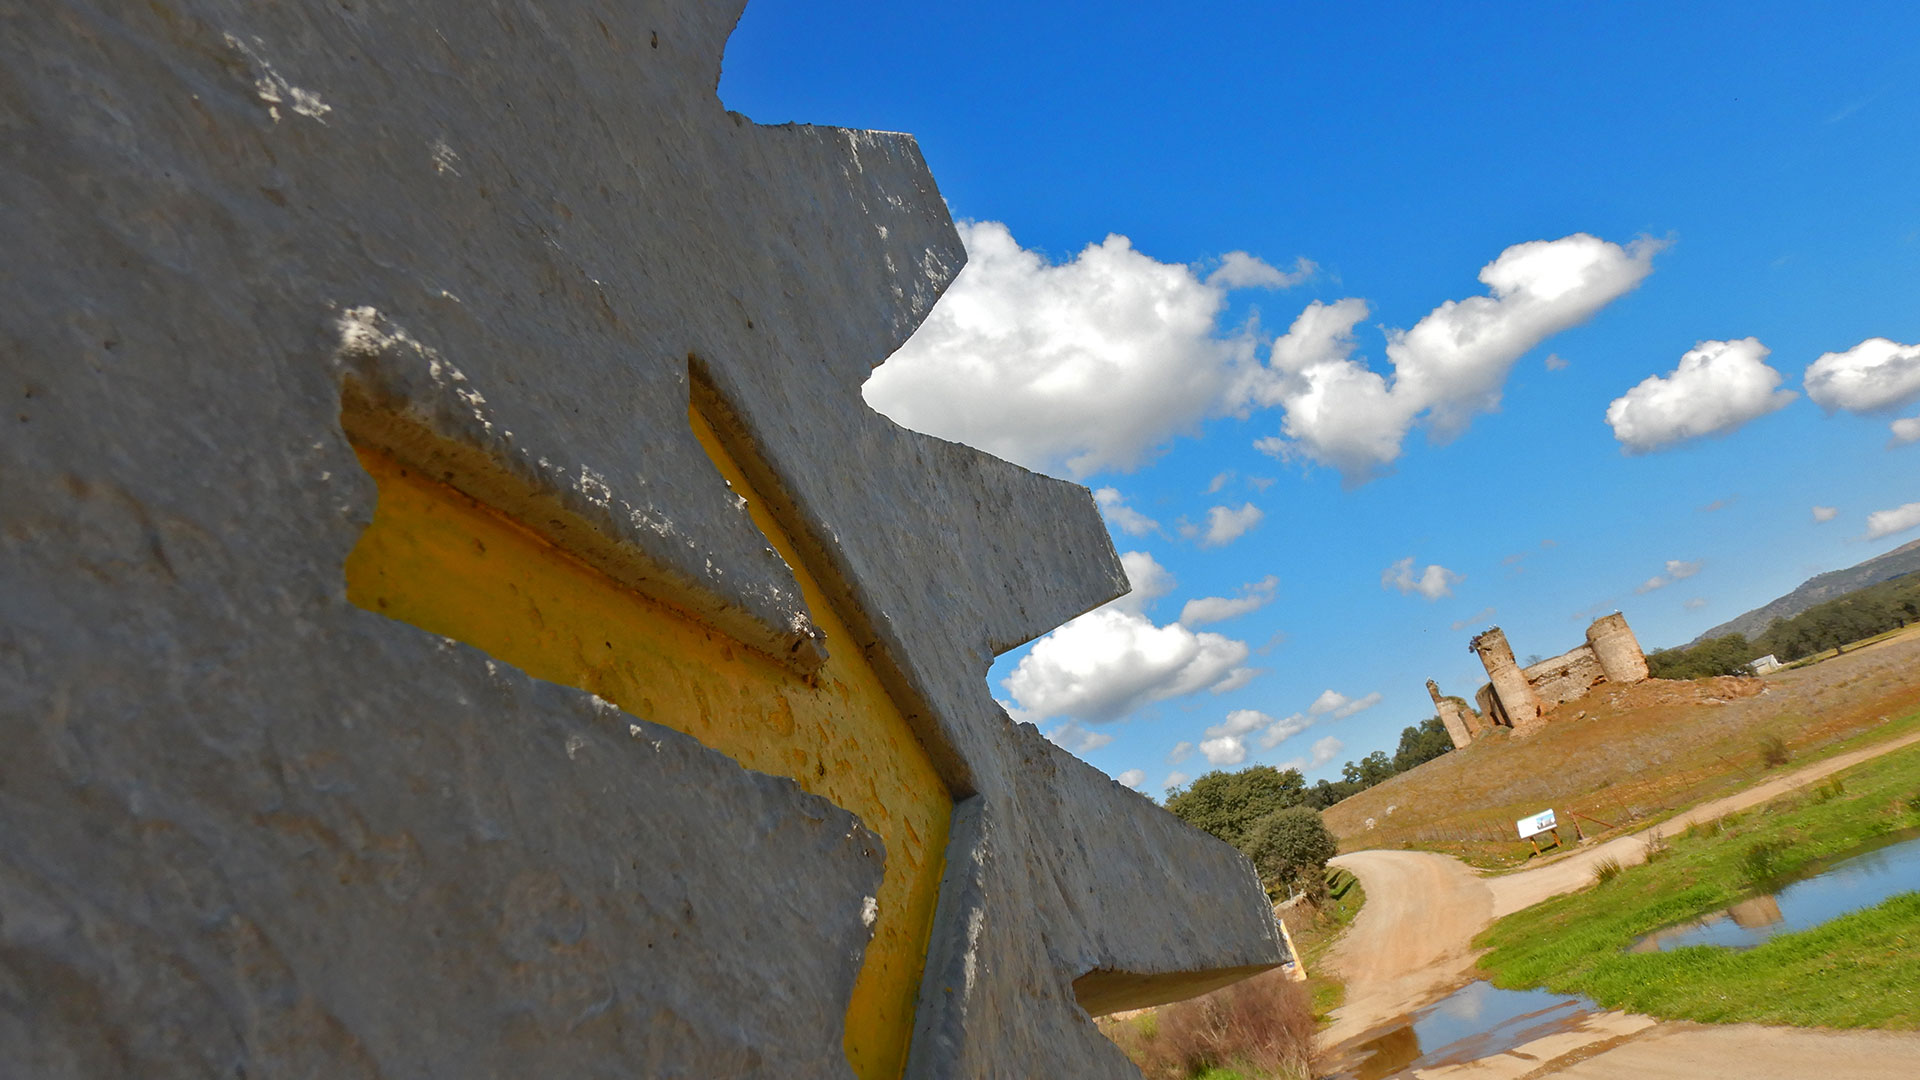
(1641, 184)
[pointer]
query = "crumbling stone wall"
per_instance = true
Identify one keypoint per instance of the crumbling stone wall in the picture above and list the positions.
(1520, 698)
(283, 281)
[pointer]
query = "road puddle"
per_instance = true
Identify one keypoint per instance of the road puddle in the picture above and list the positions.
(1823, 891)
(1476, 1021)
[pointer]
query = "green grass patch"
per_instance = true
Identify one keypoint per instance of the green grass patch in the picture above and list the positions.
(1315, 938)
(1861, 970)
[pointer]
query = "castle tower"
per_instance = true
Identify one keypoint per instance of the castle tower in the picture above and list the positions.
(1509, 682)
(1619, 651)
(1452, 715)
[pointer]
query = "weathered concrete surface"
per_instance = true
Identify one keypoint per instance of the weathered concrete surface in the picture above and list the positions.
(253, 827)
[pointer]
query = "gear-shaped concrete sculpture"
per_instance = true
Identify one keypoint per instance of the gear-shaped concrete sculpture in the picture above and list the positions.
(461, 619)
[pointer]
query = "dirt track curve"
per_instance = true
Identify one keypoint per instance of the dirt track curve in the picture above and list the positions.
(1413, 942)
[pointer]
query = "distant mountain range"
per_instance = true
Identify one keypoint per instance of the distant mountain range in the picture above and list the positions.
(1819, 589)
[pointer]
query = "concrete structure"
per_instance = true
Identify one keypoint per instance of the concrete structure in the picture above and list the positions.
(461, 619)
(1520, 698)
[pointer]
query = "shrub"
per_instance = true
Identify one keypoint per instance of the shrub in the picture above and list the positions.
(1606, 870)
(1290, 849)
(1773, 751)
(1832, 789)
(1261, 1026)
(1658, 846)
(1760, 865)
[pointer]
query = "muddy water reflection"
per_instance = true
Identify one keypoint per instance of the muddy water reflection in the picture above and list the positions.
(1473, 1022)
(1825, 891)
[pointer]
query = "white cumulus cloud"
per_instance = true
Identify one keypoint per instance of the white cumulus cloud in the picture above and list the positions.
(1226, 524)
(1225, 743)
(1873, 375)
(1113, 660)
(1339, 705)
(1887, 522)
(1175, 779)
(1324, 751)
(1181, 751)
(1239, 270)
(1450, 367)
(1076, 739)
(1202, 610)
(1149, 579)
(1825, 513)
(1113, 506)
(1433, 582)
(1086, 365)
(1719, 386)
(1676, 570)
(1132, 778)
(1906, 430)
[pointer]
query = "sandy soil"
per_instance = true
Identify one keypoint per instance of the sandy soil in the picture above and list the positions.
(1413, 942)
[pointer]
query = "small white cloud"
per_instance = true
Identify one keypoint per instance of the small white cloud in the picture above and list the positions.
(1339, 705)
(1219, 481)
(1719, 386)
(1125, 518)
(1433, 582)
(1225, 524)
(1887, 522)
(1449, 368)
(1174, 779)
(1677, 570)
(1132, 778)
(1225, 743)
(1357, 705)
(1873, 375)
(1694, 603)
(1555, 362)
(1239, 270)
(1824, 514)
(1328, 701)
(1076, 739)
(1324, 751)
(1906, 430)
(1181, 751)
(1224, 749)
(1150, 581)
(1235, 679)
(1112, 660)
(1203, 610)
(1283, 729)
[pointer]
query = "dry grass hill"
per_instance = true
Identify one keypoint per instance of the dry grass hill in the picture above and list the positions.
(1622, 755)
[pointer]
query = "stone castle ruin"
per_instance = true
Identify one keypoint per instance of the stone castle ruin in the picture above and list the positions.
(1520, 698)
(460, 618)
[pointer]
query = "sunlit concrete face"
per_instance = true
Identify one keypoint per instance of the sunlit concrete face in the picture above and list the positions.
(444, 562)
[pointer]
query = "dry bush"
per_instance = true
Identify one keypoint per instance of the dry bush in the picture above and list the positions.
(1773, 751)
(1261, 1027)
(1606, 870)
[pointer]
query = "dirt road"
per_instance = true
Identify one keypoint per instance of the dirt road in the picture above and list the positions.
(1413, 941)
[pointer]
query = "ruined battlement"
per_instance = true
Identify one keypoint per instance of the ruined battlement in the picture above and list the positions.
(1520, 698)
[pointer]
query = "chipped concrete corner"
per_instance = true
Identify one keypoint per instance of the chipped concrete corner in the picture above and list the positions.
(461, 618)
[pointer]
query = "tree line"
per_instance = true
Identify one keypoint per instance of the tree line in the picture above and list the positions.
(1273, 815)
(1833, 624)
